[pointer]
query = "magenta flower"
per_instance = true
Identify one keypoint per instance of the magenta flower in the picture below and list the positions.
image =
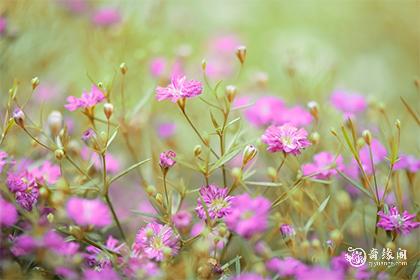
(86, 101)
(179, 88)
(285, 138)
(318, 272)
(249, 216)
(167, 159)
(324, 166)
(87, 212)
(156, 241)
(217, 201)
(287, 231)
(25, 188)
(97, 260)
(182, 219)
(8, 213)
(407, 162)
(47, 172)
(286, 267)
(107, 273)
(23, 245)
(264, 110)
(296, 116)
(248, 276)
(394, 221)
(106, 17)
(166, 130)
(348, 103)
(112, 163)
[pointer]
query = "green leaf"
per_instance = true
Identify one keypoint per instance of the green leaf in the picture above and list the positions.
(315, 215)
(121, 174)
(225, 158)
(357, 185)
(111, 139)
(263, 184)
(141, 103)
(229, 263)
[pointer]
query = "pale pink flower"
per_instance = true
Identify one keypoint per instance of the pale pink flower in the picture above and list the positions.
(324, 166)
(349, 103)
(86, 101)
(286, 267)
(87, 212)
(3, 159)
(285, 138)
(225, 44)
(182, 219)
(113, 165)
(179, 88)
(106, 17)
(379, 154)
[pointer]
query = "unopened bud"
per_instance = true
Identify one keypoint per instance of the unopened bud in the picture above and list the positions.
(333, 132)
(237, 173)
(271, 173)
(336, 236)
(35, 82)
(151, 190)
(123, 68)
(241, 53)
(204, 65)
(59, 154)
(55, 122)
(19, 117)
(249, 154)
(316, 243)
(313, 109)
(314, 137)
(261, 79)
(231, 92)
(159, 198)
(367, 136)
(108, 110)
(344, 200)
(44, 192)
(398, 124)
(197, 150)
(50, 217)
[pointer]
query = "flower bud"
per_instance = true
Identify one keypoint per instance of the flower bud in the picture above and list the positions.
(159, 198)
(398, 124)
(197, 150)
(231, 92)
(343, 200)
(313, 109)
(55, 122)
(287, 231)
(59, 154)
(271, 173)
(50, 217)
(108, 110)
(19, 117)
(204, 65)
(241, 54)
(261, 79)
(89, 136)
(367, 136)
(123, 68)
(249, 154)
(151, 190)
(314, 138)
(35, 82)
(237, 173)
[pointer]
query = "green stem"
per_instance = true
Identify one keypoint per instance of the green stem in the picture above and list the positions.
(115, 217)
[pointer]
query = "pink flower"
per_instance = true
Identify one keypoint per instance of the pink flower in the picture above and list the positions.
(96, 259)
(3, 25)
(379, 153)
(249, 215)
(286, 267)
(296, 116)
(248, 276)
(264, 110)
(407, 162)
(179, 88)
(166, 130)
(167, 159)
(112, 163)
(47, 172)
(157, 66)
(3, 159)
(394, 221)
(106, 17)
(318, 272)
(217, 201)
(226, 44)
(182, 219)
(107, 273)
(25, 188)
(348, 102)
(156, 240)
(87, 212)
(287, 231)
(285, 138)
(86, 101)
(23, 245)
(8, 213)
(324, 166)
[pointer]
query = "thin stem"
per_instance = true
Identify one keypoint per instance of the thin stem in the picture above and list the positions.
(114, 215)
(197, 132)
(374, 174)
(166, 190)
(123, 96)
(281, 165)
(36, 140)
(376, 227)
(222, 152)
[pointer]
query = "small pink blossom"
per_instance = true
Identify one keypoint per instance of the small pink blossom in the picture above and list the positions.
(23, 245)
(287, 231)
(8, 213)
(349, 103)
(154, 239)
(86, 101)
(106, 17)
(182, 219)
(113, 165)
(47, 172)
(167, 159)
(264, 109)
(395, 221)
(179, 88)
(225, 44)
(285, 138)
(217, 200)
(296, 116)
(249, 215)
(157, 66)
(406, 162)
(379, 154)
(87, 212)
(324, 166)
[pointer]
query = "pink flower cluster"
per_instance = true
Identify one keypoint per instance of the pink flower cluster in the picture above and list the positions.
(324, 166)
(86, 101)
(179, 88)
(86, 212)
(286, 138)
(401, 223)
(217, 200)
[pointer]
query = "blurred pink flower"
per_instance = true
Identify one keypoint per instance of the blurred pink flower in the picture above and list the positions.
(324, 166)
(394, 221)
(318, 272)
(179, 88)
(8, 213)
(225, 44)
(217, 200)
(87, 100)
(296, 116)
(248, 276)
(167, 159)
(87, 212)
(106, 17)
(286, 267)
(407, 162)
(3, 159)
(182, 219)
(349, 103)
(285, 138)
(379, 154)
(154, 239)
(166, 130)
(47, 172)
(112, 164)
(264, 110)
(157, 66)
(106, 273)
(97, 260)
(3, 25)
(249, 215)
(23, 245)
